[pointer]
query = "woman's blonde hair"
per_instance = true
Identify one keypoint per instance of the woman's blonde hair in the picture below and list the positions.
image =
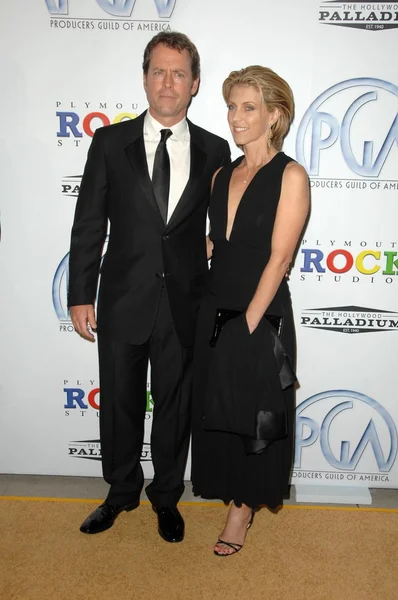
(275, 92)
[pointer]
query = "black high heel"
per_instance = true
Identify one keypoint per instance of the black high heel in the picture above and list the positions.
(235, 547)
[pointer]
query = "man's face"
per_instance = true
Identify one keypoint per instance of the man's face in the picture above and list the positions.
(169, 84)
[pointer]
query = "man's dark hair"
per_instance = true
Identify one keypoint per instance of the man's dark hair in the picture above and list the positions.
(177, 41)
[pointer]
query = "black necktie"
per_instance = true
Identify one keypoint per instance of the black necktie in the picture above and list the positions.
(161, 173)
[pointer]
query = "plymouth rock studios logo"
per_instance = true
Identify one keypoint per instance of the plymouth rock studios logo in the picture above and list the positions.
(348, 137)
(111, 15)
(75, 122)
(344, 435)
(82, 399)
(350, 261)
(371, 16)
(350, 319)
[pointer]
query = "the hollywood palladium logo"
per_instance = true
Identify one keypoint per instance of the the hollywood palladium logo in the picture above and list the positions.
(70, 186)
(88, 449)
(371, 16)
(350, 319)
(91, 450)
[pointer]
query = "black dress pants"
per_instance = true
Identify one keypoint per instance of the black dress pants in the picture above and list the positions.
(123, 383)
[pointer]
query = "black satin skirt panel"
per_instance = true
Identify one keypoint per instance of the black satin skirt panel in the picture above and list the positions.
(229, 466)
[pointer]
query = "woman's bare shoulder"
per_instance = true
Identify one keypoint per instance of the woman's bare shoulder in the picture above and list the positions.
(295, 172)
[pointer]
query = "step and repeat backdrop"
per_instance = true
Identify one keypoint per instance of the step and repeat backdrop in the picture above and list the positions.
(70, 66)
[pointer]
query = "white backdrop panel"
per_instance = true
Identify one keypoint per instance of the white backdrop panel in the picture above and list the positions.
(76, 58)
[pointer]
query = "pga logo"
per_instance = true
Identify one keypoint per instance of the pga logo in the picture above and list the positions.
(60, 290)
(116, 8)
(352, 124)
(60, 287)
(345, 430)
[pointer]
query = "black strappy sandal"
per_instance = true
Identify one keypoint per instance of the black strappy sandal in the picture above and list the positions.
(235, 547)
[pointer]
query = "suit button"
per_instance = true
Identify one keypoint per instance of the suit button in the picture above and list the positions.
(159, 275)
(166, 237)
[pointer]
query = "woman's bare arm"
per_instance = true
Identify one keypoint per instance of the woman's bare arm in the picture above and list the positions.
(289, 222)
(209, 247)
(209, 243)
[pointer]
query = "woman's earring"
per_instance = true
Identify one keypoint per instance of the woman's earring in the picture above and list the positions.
(269, 136)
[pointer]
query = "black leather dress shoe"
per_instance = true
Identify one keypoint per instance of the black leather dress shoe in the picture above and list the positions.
(103, 517)
(170, 523)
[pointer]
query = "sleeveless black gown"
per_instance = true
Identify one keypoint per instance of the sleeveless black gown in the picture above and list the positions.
(220, 466)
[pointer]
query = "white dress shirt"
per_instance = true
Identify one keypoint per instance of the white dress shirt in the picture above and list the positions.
(178, 147)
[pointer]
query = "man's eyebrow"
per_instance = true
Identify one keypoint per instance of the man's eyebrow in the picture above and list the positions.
(180, 70)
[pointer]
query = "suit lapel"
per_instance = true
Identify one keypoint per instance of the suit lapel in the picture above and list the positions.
(198, 163)
(135, 152)
(136, 155)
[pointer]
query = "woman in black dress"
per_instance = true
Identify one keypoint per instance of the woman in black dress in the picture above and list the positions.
(243, 409)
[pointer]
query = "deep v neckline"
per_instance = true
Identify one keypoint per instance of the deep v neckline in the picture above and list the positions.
(242, 196)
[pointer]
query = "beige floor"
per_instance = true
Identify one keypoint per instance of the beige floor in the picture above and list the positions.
(95, 487)
(299, 554)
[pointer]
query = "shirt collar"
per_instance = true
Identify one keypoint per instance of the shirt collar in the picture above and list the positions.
(152, 129)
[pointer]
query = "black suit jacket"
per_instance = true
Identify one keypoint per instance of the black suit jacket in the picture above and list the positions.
(116, 186)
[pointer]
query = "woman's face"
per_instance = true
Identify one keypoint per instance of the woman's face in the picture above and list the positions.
(248, 117)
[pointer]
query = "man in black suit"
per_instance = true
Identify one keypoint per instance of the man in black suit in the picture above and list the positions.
(150, 179)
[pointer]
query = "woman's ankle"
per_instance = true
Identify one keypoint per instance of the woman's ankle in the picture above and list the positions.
(243, 510)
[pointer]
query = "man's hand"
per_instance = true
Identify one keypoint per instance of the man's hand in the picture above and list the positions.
(83, 317)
